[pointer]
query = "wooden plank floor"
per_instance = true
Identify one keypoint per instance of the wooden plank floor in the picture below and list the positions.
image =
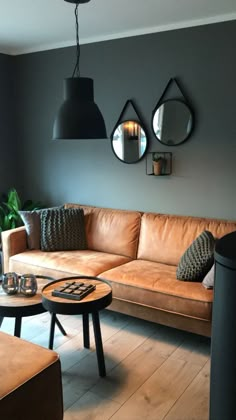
(153, 372)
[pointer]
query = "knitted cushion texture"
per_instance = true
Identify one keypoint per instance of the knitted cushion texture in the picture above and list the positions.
(31, 220)
(62, 230)
(197, 259)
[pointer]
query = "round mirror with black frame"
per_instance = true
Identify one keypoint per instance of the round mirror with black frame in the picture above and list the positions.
(129, 141)
(172, 122)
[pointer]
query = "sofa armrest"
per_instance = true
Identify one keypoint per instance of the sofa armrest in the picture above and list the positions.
(14, 241)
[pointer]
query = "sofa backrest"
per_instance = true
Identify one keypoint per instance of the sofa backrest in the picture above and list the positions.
(164, 238)
(110, 230)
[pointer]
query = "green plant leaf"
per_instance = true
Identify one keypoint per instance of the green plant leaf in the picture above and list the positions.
(10, 207)
(6, 223)
(2, 212)
(14, 199)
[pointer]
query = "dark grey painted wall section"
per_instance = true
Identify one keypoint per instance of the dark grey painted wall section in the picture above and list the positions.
(204, 170)
(8, 129)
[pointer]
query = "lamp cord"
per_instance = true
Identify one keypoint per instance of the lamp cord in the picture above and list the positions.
(76, 69)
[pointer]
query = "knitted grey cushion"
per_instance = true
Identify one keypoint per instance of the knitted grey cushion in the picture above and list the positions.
(62, 229)
(197, 259)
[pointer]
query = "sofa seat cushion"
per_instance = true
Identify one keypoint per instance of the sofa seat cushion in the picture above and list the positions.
(64, 263)
(155, 285)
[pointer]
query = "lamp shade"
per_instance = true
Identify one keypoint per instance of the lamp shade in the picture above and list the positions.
(79, 117)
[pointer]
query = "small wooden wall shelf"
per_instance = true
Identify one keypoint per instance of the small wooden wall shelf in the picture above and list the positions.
(165, 160)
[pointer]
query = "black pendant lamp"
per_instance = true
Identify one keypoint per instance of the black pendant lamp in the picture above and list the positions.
(78, 117)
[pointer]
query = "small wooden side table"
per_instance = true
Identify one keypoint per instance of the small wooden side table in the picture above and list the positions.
(99, 299)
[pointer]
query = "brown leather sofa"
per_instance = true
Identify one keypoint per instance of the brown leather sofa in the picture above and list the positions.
(138, 253)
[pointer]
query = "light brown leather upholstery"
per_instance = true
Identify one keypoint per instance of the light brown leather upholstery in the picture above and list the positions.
(164, 238)
(65, 263)
(138, 252)
(170, 319)
(112, 231)
(14, 241)
(155, 285)
(30, 381)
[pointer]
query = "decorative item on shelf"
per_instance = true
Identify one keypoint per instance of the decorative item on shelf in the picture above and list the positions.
(28, 285)
(78, 117)
(172, 119)
(129, 139)
(10, 283)
(159, 163)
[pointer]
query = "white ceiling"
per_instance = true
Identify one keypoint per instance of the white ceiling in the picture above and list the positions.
(31, 25)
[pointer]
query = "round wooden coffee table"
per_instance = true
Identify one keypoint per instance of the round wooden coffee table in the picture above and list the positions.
(99, 299)
(18, 306)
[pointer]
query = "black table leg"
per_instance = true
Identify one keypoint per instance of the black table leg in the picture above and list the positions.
(17, 329)
(1, 320)
(52, 330)
(86, 330)
(60, 326)
(98, 342)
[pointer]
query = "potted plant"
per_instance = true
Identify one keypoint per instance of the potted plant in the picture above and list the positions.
(9, 211)
(158, 164)
(10, 207)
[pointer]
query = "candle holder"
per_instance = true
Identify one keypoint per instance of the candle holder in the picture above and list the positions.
(28, 284)
(10, 283)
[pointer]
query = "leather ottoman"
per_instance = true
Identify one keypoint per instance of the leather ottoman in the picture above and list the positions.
(30, 381)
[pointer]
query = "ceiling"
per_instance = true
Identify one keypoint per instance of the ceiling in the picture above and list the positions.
(31, 25)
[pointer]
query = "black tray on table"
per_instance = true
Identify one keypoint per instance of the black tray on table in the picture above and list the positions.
(74, 290)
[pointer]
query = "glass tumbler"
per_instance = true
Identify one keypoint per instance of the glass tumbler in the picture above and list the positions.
(28, 284)
(10, 283)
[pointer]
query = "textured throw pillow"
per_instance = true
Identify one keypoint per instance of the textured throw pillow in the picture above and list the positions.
(197, 259)
(208, 281)
(62, 229)
(31, 220)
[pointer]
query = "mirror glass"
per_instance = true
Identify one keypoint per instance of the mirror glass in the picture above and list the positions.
(129, 141)
(172, 122)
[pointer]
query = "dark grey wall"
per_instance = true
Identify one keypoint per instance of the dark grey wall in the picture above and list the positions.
(8, 129)
(138, 68)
